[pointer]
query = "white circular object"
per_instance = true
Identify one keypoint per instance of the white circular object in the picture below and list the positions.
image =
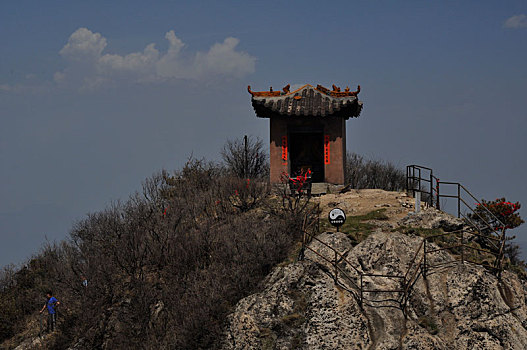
(337, 217)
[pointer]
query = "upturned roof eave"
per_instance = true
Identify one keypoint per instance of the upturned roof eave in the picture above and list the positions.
(352, 109)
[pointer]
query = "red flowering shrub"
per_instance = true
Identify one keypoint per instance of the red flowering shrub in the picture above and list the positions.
(500, 215)
(299, 183)
(294, 199)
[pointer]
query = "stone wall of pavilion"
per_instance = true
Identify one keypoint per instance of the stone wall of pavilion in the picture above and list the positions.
(334, 127)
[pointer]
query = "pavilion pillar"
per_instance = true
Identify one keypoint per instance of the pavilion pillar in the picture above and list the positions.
(279, 149)
(335, 130)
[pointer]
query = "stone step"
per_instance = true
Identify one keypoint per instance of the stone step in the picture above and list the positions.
(317, 188)
(320, 188)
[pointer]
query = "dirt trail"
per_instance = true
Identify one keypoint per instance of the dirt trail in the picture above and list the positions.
(360, 202)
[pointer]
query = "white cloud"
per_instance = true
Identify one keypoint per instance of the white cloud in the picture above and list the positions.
(138, 65)
(516, 21)
(175, 44)
(224, 58)
(84, 45)
(88, 66)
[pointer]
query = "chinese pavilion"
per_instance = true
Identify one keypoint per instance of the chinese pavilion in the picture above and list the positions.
(308, 129)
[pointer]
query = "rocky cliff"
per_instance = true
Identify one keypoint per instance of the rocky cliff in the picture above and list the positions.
(458, 306)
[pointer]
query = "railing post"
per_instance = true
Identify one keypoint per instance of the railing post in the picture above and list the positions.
(414, 180)
(336, 269)
(303, 249)
(437, 200)
(407, 177)
(431, 189)
(501, 252)
(361, 288)
(462, 248)
(404, 308)
(459, 200)
(404, 302)
(419, 181)
(424, 258)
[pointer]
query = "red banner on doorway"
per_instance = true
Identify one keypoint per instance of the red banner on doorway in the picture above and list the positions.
(284, 149)
(326, 149)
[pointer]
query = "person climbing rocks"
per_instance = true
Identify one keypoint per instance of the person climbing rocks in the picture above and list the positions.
(84, 281)
(51, 304)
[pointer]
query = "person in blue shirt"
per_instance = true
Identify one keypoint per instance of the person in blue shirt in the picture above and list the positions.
(51, 304)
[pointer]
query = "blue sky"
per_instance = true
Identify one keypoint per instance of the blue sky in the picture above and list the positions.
(89, 108)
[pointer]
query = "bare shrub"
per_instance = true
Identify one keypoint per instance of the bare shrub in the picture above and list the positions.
(165, 267)
(366, 173)
(246, 158)
(8, 316)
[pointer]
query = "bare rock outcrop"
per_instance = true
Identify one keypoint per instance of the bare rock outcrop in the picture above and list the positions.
(460, 306)
(300, 306)
(432, 218)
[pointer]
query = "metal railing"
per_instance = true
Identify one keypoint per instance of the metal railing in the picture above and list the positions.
(421, 264)
(421, 179)
(334, 260)
(359, 287)
(430, 185)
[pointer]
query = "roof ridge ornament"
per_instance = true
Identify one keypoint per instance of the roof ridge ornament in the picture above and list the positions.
(269, 93)
(286, 90)
(336, 92)
(306, 101)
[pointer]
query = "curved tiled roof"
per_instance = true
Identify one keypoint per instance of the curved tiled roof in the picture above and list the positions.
(307, 101)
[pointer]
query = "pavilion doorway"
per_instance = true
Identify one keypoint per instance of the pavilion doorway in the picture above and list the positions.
(306, 151)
